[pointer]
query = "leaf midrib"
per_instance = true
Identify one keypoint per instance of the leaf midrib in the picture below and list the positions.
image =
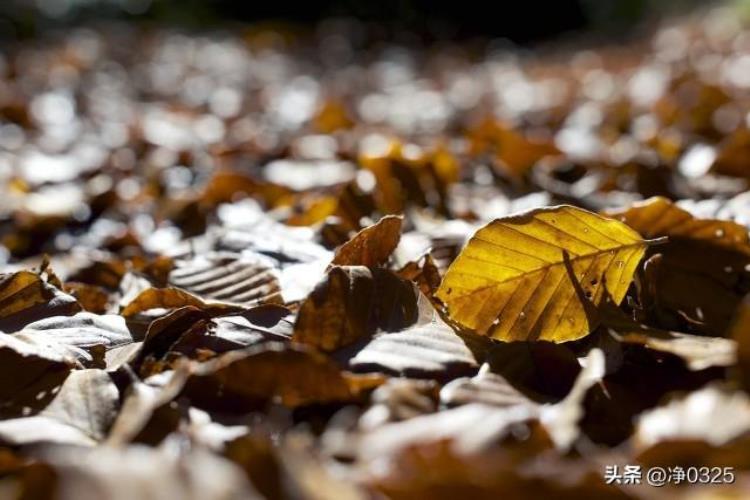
(578, 257)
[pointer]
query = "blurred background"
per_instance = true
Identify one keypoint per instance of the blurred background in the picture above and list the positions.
(127, 123)
(523, 22)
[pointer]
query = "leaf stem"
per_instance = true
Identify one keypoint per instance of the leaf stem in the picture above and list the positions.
(657, 241)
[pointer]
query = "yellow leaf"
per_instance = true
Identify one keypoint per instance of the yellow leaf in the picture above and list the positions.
(512, 281)
(517, 151)
(332, 116)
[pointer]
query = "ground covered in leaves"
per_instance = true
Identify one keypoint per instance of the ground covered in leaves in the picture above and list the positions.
(263, 264)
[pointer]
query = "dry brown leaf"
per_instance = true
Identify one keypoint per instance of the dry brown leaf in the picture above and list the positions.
(286, 374)
(257, 457)
(424, 273)
(562, 420)
(516, 151)
(100, 271)
(697, 351)
(351, 303)
(407, 176)
(147, 414)
(191, 332)
(543, 371)
(430, 350)
(228, 185)
(695, 417)
(267, 322)
(658, 216)
(86, 474)
(338, 311)
(29, 370)
(400, 399)
(84, 336)
(162, 335)
(172, 298)
(517, 469)
(26, 296)
(332, 116)
(485, 387)
(739, 332)
(732, 154)
(694, 281)
(80, 413)
(311, 210)
(372, 246)
(92, 298)
(227, 278)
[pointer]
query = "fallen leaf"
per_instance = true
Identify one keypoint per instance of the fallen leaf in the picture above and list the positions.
(338, 312)
(518, 468)
(29, 369)
(25, 297)
(731, 153)
(171, 298)
(485, 387)
(331, 116)
(227, 185)
(544, 371)
(227, 278)
(562, 419)
(86, 474)
(739, 332)
(406, 175)
(191, 332)
(658, 216)
(694, 417)
(80, 413)
(148, 413)
(92, 298)
(516, 151)
(471, 428)
(400, 399)
(257, 457)
(162, 335)
(698, 352)
(372, 246)
(694, 281)
(431, 350)
(80, 335)
(266, 322)
(511, 281)
(351, 303)
(424, 273)
(286, 374)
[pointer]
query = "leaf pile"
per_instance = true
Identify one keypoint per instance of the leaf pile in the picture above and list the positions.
(265, 264)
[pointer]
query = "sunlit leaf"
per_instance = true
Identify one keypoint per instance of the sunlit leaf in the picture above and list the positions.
(80, 413)
(658, 216)
(514, 280)
(171, 298)
(26, 296)
(372, 246)
(227, 278)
